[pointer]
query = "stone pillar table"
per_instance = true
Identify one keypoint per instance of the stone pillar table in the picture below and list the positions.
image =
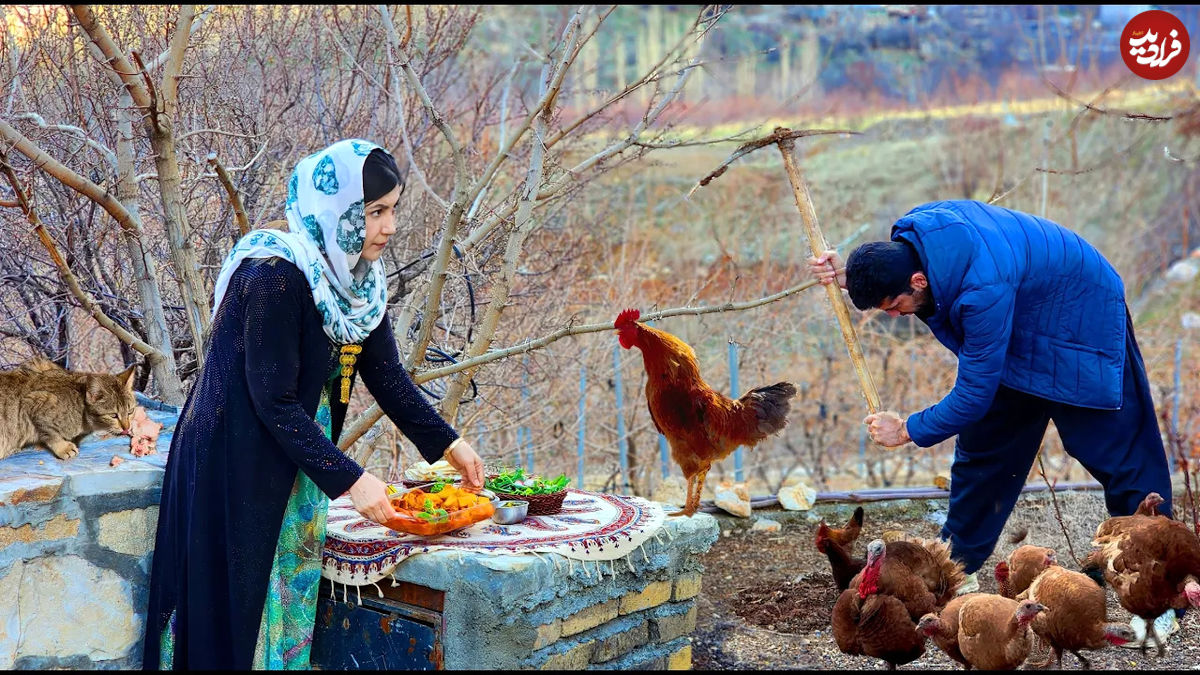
(464, 608)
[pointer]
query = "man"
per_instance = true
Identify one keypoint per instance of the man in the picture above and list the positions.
(1037, 318)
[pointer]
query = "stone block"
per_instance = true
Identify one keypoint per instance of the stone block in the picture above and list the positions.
(548, 633)
(64, 607)
(575, 658)
(129, 476)
(680, 659)
(59, 527)
(130, 532)
(29, 489)
(621, 643)
(670, 626)
(687, 586)
(653, 595)
(590, 617)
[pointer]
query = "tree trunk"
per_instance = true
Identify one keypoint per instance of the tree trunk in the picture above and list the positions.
(170, 389)
(183, 254)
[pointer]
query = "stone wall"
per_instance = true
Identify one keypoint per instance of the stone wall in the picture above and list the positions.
(505, 612)
(76, 538)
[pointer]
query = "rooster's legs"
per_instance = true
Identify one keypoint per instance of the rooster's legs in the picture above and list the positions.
(1084, 662)
(688, 509)
(699, 489)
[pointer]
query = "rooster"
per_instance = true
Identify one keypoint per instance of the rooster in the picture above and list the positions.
(835, 543)
(701, 425)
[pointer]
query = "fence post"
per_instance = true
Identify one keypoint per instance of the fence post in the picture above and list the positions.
(733, 393)
(528, 444)
(862, 453)
(664, 454)
(582, 421)
(622, 441)
(1175, 401)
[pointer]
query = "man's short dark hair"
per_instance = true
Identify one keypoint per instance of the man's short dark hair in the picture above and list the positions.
(879, 270)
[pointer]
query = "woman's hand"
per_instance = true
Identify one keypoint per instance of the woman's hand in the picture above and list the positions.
(462, 457)
(370, 498)
(822, 268)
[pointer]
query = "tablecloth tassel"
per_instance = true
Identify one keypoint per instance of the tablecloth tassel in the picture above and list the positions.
(377, 588)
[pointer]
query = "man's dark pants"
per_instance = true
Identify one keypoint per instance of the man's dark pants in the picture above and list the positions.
(1123, 449)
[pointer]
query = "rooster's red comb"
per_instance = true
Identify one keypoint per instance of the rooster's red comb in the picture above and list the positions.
(627, 318)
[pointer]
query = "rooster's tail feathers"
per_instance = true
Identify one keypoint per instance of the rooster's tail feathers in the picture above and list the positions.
(771, 405)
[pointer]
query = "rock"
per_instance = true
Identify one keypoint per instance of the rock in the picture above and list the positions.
(65, 607)
(1183, 271)
(733, 498)
(1190, 320)
(671, 490)
(766, 525)
(798, 497)
(130, 532)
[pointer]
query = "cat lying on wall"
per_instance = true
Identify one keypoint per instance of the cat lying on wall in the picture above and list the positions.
(43, 405)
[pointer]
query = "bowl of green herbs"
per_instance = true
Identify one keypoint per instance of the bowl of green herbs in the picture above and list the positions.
(545, 496)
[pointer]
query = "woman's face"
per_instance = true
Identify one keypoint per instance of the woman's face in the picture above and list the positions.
(381, 224)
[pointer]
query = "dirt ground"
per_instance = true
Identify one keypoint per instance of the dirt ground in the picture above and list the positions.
(767, 596)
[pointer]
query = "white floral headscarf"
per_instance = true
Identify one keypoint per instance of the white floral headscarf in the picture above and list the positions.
(327, 228)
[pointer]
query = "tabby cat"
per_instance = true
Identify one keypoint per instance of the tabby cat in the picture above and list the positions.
(43, 405)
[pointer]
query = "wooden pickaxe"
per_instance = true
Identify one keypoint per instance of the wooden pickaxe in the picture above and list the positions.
(785, 139)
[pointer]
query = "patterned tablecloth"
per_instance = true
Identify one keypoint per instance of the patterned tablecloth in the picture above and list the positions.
(590, 527)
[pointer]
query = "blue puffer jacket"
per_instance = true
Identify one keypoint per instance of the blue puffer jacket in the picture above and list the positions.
(1022, 302)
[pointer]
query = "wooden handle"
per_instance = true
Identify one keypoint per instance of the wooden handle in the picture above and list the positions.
(817, 241)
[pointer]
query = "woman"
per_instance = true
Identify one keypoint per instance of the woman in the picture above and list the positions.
(298, 315)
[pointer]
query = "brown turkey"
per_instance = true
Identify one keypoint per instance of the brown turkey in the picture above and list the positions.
(869, 621)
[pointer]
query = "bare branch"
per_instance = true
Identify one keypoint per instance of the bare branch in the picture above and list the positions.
(76, 131)
(221, 132)
(68, 177)
(525, 224)
(112, 54)
(239, 211)
(151, 354)
(570, 51)
(1127, 115)
(769, 139)
(174, 63)
(197, 24)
